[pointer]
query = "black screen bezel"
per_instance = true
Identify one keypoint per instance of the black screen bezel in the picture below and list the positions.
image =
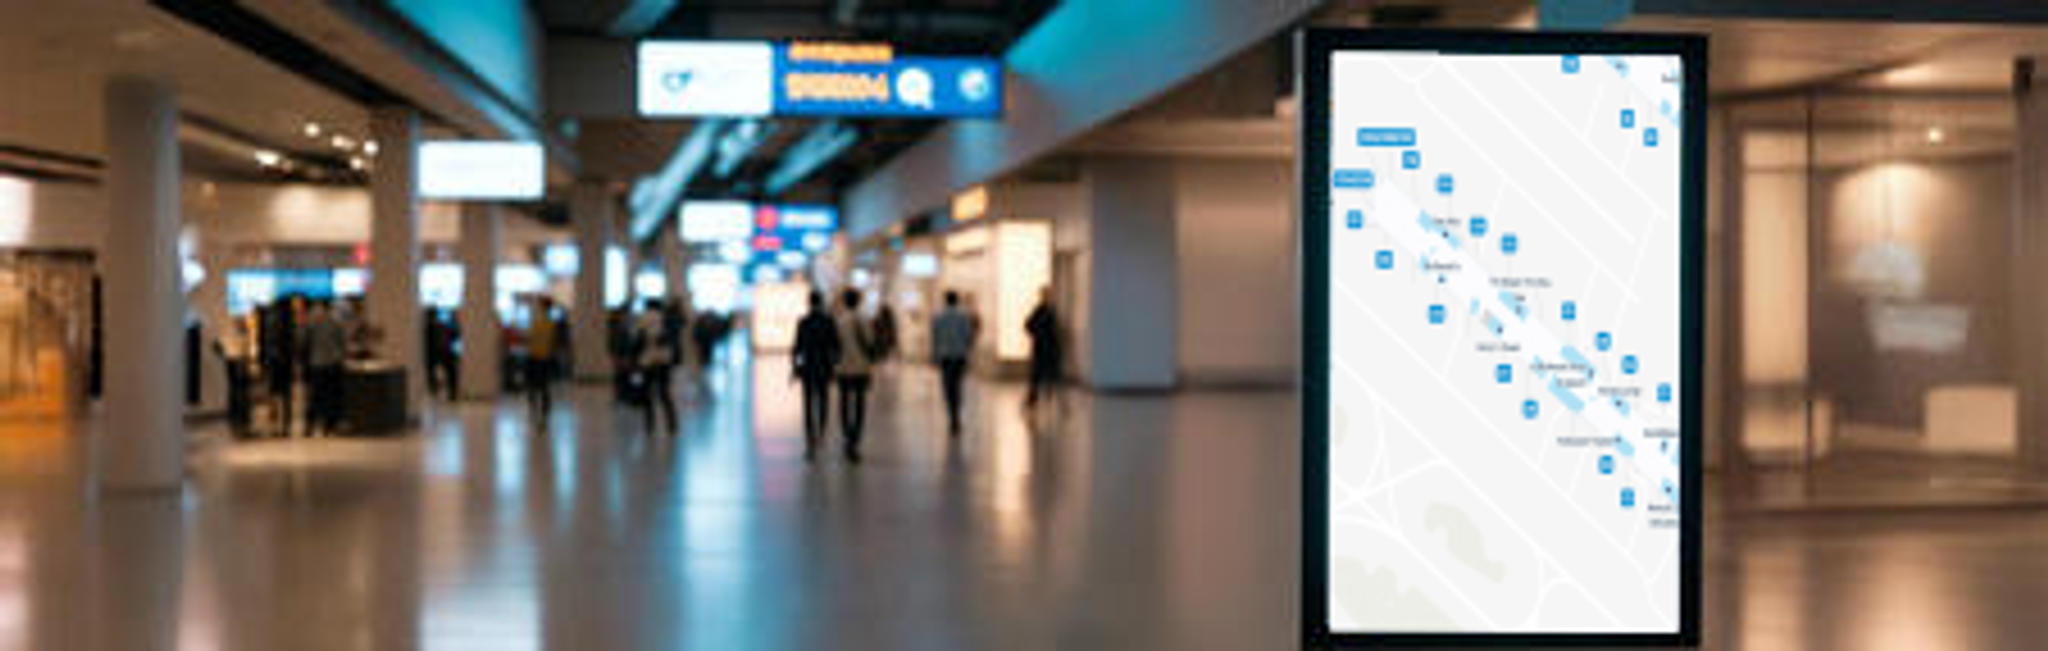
(1314, 49)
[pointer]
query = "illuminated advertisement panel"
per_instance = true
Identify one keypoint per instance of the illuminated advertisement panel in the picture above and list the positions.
(481, 170)
(1502, 278)
(717, 221)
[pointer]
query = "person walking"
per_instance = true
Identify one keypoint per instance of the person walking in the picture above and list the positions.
(858, 350)
(543, 340)
(1044, 327)
(953, 334)
(657, 362)
(814, 357)
(444, 365)
(326, 348)
(885, 332)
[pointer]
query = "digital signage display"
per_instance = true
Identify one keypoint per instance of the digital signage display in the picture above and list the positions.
(481, 170)
(1501, 337)
(706, 78)
(794, 227)
(759, 78)
(717, 221)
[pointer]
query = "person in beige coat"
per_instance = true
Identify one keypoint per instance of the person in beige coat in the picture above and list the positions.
(858, 350)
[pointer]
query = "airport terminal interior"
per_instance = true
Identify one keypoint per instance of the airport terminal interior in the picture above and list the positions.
(1013, 324)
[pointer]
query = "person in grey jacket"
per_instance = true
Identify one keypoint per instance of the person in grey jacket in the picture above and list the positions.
(326, 348)
(953, 334)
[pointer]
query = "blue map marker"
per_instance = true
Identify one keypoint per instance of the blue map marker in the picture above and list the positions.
(1443, 183)
(1664, 392)
(1650, 137)
(1411, 159)
(1607, 464)
(1529, 409)
(1384, 259)
(1503, 373)
(1628, 364)
(1478, 226)
(1603, 341)
(1358, 179)
(1628, 498)
(1354, 219)
(1628, 118)
(1436, 314)
(1571, 64)
(1509, 243)
(1571, 310)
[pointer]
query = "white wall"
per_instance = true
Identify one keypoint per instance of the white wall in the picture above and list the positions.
(50, 215)
(1193, 258)
(237, 213)
(1236, 242)
(73, 215)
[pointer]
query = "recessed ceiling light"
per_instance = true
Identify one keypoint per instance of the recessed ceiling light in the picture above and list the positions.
(370, 147)
(312, 129)
(268, 158)
(355, 163)
(1935, 135)
(342, 142)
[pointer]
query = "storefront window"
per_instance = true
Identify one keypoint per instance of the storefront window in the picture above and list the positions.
(1873, 254)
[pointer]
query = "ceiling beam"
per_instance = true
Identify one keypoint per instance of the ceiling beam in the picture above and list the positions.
(639, 17)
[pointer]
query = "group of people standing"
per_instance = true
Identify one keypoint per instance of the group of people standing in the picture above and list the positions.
(293, 343)
(647, 347)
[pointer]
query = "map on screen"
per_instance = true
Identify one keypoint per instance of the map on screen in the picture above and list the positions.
(1504, 343)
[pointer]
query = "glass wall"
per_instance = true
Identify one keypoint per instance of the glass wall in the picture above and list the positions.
(1871, 260)
(45, 310)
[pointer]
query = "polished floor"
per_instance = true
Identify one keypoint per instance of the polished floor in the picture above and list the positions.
(1103, 522)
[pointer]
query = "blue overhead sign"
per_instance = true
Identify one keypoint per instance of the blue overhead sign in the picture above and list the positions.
(752, 78)
(794, 227)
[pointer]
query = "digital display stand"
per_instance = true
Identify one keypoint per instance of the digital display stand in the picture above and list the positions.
(1503, 294)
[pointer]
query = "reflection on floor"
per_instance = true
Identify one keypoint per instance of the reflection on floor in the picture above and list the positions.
(1103, 522)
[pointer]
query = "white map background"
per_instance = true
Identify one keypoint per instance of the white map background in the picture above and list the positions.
(1449, 510)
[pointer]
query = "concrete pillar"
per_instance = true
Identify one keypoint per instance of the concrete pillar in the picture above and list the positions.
(590, 209)
(675, 264)
(478, 248)
(1133, 316)
(635, 257)
(2030, 264)
(393, 303)
(142, 445)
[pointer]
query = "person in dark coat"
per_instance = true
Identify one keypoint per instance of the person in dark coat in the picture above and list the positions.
(280, 351)
(1044, 327)
(815, 360)
(444, 365)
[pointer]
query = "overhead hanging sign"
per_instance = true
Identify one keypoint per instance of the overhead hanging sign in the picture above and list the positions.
(759, 78)
(794, 227)
(481, 170)
(1501, 337)
(717, 221)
